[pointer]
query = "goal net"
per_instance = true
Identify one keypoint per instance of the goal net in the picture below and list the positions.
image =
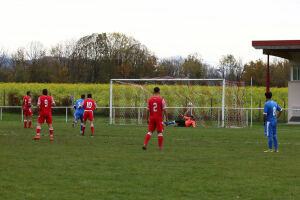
(212, 102)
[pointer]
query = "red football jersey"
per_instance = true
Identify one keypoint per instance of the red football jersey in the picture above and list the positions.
(156, 105)
(89, 104)
(26, 102)
(45, 103)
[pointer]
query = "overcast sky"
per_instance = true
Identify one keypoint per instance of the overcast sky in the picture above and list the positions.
(211, 28)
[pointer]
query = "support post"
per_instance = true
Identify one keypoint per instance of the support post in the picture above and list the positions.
(284, 110)
(251, 105)
(22, 114)
(223, 104)
(0, 113)
(110, 103)
(268, 74)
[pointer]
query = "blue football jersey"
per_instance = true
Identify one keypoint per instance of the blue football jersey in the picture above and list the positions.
(271, 108)
(77, 104)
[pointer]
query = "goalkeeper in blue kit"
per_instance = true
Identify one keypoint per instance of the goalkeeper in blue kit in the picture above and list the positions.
(79, 112)
(270, 121)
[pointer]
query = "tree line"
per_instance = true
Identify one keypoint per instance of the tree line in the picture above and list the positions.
(97, 58)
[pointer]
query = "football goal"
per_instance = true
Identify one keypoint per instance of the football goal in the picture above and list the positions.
(212, 102)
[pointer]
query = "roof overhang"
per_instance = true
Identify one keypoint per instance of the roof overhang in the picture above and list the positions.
(281, 48)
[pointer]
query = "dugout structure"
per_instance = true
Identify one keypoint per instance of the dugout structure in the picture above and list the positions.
(213, 102)
(287, 49)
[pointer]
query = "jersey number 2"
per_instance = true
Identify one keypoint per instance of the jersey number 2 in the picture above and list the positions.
(154, 107)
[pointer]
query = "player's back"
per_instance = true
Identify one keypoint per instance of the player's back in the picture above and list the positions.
(78, 104)
(271, 108)
(26, 102)
(89, 104)
(156, 106)
(45, 103)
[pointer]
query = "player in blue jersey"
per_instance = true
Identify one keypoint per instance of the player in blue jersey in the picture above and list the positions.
(79, 112)
(270, 121)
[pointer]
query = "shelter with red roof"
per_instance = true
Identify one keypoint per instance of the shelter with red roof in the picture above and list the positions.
(287, 49)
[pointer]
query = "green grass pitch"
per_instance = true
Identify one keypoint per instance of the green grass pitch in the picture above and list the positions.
(200, 163)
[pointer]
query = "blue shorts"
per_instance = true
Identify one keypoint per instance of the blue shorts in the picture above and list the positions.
(270, 129)
(79, 116)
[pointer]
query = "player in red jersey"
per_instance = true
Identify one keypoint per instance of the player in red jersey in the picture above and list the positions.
(155, 109)
(44, 106)
(27, 110)
(89, 106)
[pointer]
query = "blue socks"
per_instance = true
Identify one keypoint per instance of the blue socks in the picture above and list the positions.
(271, 139)
(172, 122)
(275, 142)
(270, 142)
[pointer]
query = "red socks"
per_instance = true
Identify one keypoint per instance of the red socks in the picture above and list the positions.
(25, 123)
(92, 130)
(51, 132)
(38, 130)
(160, 140)
(148, 136)
(29, 124)
(83, 129)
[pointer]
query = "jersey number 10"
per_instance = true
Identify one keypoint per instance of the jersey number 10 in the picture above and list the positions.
(46, 103)
(89, 104)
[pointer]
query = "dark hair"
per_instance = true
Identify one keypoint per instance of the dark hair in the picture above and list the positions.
(83, 96)
(45, 91)
(192, 116)
(156, 90)
(28, 92)
(268, 95)
(89, 95)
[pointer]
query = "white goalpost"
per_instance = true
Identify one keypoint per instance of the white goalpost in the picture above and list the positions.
(205, 99)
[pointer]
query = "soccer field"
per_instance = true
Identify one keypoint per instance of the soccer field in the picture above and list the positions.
(200, 163)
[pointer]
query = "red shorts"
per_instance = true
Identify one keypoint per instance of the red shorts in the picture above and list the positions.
(27, 112)
(45, 116)
(88, 115)
(156, 123)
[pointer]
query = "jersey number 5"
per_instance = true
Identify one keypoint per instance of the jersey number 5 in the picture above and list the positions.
(46, 103)
(154, 107)
(274, 111)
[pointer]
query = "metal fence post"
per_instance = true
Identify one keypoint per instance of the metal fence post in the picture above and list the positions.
(259, 116)
(1, 113)
(66, 114)
(211, 110)
(3, 97)
(247, 119)
(22, 114)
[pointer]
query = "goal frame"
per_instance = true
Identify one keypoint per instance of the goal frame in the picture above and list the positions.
(157, 79)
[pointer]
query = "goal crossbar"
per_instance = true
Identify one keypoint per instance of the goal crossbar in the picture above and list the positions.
(175, 79)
